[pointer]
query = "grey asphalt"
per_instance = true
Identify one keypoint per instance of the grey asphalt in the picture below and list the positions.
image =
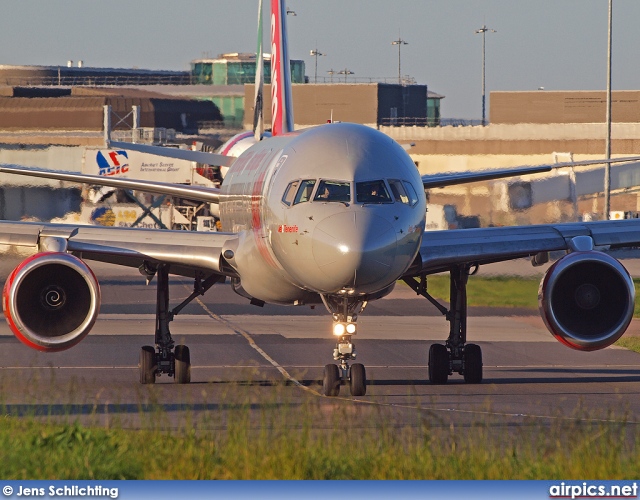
(275, 355)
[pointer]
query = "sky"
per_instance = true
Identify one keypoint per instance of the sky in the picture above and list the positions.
(555, 44)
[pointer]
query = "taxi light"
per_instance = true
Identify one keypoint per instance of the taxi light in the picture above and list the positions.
(338, 329)
(351, 328)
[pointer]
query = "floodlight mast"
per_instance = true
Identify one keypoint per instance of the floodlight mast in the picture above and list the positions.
(399, 42)
(315, 53)
(484, 31)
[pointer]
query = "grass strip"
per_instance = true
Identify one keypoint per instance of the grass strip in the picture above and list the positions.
(33, 450)
(288, 445)
(500, 291)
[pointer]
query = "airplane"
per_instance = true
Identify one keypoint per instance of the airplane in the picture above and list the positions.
(332, 215)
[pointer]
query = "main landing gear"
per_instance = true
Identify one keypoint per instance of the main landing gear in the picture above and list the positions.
(344, 311)
(455, 355)
(168, 358)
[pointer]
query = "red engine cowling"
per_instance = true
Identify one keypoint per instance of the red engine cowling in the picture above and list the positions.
(51, 301)
(586, 300)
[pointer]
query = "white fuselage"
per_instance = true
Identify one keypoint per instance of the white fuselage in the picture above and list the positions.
(293, 243)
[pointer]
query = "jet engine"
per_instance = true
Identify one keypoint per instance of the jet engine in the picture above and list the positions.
(51, 301)
(586, 300)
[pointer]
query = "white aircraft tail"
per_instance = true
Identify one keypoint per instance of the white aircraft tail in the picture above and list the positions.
(281, 98)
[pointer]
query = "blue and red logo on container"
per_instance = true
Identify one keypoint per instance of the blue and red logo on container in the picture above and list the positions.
(112, 162)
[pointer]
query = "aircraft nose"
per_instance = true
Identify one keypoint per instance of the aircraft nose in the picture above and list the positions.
(354, 249)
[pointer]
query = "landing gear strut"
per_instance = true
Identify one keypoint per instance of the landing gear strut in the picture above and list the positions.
(455, 355)
(344, 311)
(166, 357)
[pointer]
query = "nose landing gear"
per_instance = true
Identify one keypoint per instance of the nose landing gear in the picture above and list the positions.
(335, 375)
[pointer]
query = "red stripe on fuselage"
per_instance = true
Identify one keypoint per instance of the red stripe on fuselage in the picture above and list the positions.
(260, 163)
(235, 141)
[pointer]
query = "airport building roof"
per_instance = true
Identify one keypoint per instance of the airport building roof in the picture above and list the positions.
(67, 75)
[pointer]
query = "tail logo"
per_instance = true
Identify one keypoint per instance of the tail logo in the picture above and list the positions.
(276, 127)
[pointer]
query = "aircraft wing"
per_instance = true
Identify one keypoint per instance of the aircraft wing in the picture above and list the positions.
(453, 178)
(186, 252)
(182, 154)
(199, 193)
(442, 249)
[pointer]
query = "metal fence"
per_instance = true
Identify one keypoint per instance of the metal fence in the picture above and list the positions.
(428, 122)
(97, 80)
(145, 135)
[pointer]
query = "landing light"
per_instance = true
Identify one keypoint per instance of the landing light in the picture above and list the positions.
(343, 248)
(340, 329)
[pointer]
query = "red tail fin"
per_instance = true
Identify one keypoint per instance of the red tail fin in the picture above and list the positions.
(281, 99)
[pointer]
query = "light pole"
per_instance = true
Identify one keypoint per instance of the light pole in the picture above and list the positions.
(607, 154)
(484, 30)
(399, 42)
(315, 53)
(331, 73)
(345, 72)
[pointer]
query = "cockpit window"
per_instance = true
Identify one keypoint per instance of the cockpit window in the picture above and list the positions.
(333, 191)
(290, 192)
(304, 193)
(372, 192)
(398, 191)
(413, 197)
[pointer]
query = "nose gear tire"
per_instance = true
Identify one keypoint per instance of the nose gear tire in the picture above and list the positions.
(358, 380)
(331, 380)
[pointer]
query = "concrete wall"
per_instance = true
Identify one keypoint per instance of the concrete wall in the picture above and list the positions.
(544, 106)
(442, 149)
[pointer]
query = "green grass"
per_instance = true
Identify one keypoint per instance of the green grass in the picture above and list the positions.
(284, 446)
(501, 291)
(494, 291)
(631, 343)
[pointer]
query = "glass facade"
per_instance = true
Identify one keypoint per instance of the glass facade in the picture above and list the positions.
(232, 109)
(238, 71)
(433, 112)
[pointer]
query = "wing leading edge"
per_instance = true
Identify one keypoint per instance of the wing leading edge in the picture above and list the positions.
(182, 154)
(199, 193)
(186, 252)
(451, 179)
(440, 250)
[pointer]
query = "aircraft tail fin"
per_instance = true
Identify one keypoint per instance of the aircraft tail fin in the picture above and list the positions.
(258, 117)
(281, 97)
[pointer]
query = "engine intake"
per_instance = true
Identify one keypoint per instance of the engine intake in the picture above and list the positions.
(51, 301)
(586, 300)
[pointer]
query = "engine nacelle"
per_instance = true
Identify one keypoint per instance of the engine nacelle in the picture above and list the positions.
(586, 300)
(51, 301)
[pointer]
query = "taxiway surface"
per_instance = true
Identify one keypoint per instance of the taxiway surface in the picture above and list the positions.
(266, 356)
